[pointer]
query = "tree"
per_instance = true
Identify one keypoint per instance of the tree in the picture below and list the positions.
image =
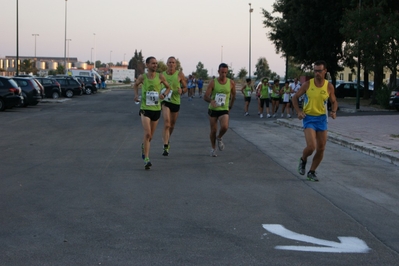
(201, 72)
(27, 66)
(98, 64)
(230, 73)
(262, 68)
(307, 31)
(137, 63)
(60, 69)
(161, 66)
(242, 73)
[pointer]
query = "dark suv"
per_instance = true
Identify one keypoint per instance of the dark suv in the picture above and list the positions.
(52, 89)
(394, 99)
(90, 84)
(30, 90)
(70, 86)
(10, 93)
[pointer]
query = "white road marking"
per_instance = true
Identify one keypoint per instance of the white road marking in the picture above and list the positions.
(346, 244)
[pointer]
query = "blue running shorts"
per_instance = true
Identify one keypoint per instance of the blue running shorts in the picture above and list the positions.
(317, 123)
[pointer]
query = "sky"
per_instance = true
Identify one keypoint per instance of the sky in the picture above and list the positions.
(206, 31)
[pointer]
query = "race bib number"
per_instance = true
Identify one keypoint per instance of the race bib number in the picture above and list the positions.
(248, 93)
(152, 98)
(220, 99)
(286, 97)
(168, 96)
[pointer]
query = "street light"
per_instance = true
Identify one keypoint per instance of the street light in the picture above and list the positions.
(250, 11)
(110, 56)
(94, 50)
(35, 34)
(358, 66)
(65, 39)
(91, 55)
(68, 40)
(17, 65)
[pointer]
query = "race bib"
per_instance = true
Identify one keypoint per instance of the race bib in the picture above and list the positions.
(220, 99)
(152, 98)
(168, 96)
(248, 93)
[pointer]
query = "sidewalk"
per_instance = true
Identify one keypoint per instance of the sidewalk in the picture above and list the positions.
(375, 135)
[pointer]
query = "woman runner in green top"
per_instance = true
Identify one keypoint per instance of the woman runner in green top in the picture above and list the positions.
(247, 91)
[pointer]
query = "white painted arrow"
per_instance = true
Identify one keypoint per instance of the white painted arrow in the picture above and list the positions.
(347, 244)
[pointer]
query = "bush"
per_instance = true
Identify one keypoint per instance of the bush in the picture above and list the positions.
(127, 81)
(383, 95)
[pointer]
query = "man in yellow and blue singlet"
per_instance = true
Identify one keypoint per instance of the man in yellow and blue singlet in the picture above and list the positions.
(220, 94)
(150, 108)
(317, 92)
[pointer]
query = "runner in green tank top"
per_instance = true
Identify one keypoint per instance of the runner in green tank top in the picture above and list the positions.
(171, 105)
(247, 92)
(220, 94)
(264, 98)
(150, 109)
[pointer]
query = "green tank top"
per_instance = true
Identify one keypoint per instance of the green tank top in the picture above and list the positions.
(221, 94)
(276, 89)
(174, 84)
(150, 92)
(264, 92)
(247, 91)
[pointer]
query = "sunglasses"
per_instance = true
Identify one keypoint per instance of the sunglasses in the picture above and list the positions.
(318, 70)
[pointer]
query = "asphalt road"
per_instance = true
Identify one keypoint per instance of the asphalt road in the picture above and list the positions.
(74, 192)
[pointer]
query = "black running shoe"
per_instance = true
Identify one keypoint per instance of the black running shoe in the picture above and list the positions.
(166, 150)
(301, 167)
(147, 164)
(312, 176)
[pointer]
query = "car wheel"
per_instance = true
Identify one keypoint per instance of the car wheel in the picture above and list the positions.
(55, 95)
(88, 90)
(69, 93)
(2, 105)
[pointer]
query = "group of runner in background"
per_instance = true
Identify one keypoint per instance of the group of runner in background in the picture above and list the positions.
(271, 92)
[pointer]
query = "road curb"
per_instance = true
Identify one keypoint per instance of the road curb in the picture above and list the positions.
(356, 145)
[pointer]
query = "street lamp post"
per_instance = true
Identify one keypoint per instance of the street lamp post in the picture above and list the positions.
(110, 56)
(68, 40)
(91, 55)
(250, 11)
(65, 39)
(95, 50)
(358, 67)
(35, 34)
(17, 64)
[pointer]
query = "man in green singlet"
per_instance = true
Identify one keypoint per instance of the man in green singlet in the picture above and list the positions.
(220, 94)
(150, 108)
(317, 92)
(171, 104)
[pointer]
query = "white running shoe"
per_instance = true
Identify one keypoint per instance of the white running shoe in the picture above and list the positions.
(282, 115)
(220, 144)
(274, 115)
(261, 115)
(268, 116)
(213, 153)
(246, 114)
(289, 116)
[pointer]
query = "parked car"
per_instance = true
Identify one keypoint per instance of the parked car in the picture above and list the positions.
(394, 99)
(348, 89)
(70, 86)
(52, 89)
(31, 91)
(90, 84)
(10, 93)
